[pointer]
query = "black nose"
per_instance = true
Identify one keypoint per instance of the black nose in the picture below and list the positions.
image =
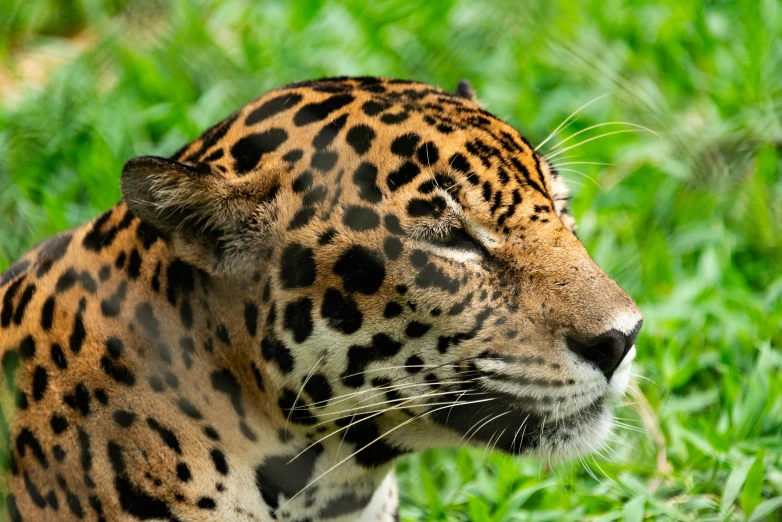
(607, 350)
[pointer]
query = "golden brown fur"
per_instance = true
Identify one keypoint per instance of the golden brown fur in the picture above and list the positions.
(342, 272)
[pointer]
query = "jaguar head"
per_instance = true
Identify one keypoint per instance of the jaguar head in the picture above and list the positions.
(419, 273)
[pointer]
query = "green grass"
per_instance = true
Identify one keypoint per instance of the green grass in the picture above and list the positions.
(690, 224)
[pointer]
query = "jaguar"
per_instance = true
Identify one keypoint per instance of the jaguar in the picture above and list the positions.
(340, 273)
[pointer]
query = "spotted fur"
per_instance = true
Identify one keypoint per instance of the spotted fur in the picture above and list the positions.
(340, 273)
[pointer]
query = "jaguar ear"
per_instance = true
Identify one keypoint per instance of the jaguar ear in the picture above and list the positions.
(464, 90)
(215, 222)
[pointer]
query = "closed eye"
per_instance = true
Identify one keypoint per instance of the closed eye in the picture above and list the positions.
(457, 238)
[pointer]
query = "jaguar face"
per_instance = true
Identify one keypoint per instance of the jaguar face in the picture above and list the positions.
(420, 279)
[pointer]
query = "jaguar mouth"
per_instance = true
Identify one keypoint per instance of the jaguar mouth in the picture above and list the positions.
(499, 421)
(519, 412)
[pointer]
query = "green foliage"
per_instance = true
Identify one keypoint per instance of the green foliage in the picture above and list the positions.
(689, 223)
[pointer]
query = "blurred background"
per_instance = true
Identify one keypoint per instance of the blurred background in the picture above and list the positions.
(688, 222)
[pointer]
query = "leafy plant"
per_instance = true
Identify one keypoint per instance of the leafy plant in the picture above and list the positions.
(688, 222)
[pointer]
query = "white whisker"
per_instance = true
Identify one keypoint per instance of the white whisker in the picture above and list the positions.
(375, 405)
(565, 122)
(613, 437)
(588, 470)
(558, 165)
(303, 384)
(584, 175)
(605, 135)
(486, 447)
(629, 427)
(639, 376)
(472, 426)
(605, 475)
(344, 428)
(558, 145)
(522, 425)
(402, 367)
(382, 388)
(484, 424)
(369, 444)
(447, 417)
(495, 442)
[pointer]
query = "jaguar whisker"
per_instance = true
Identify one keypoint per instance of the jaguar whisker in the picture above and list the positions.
(373, 405)
(402, 367)
(380, 437)
(424, 405)
(384, 388)
(589, 470)
(629, 427)
(353, 423)
(598, 125)
(481, 426)
(600, 136)
(447, 417)
(557, 165)
(639, 376)
(522, 425)
(605, 475)
(590, 178)
(356, 411)
(303, 384)
(495, 442)
(568, 119)
(434, 367)
(421, 384)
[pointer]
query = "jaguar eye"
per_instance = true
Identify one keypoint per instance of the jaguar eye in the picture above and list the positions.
(456, 237)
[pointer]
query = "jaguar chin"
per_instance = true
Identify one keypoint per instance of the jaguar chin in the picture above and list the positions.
(562, 424)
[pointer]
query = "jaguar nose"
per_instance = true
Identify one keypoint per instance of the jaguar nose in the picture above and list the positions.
(607, 350)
